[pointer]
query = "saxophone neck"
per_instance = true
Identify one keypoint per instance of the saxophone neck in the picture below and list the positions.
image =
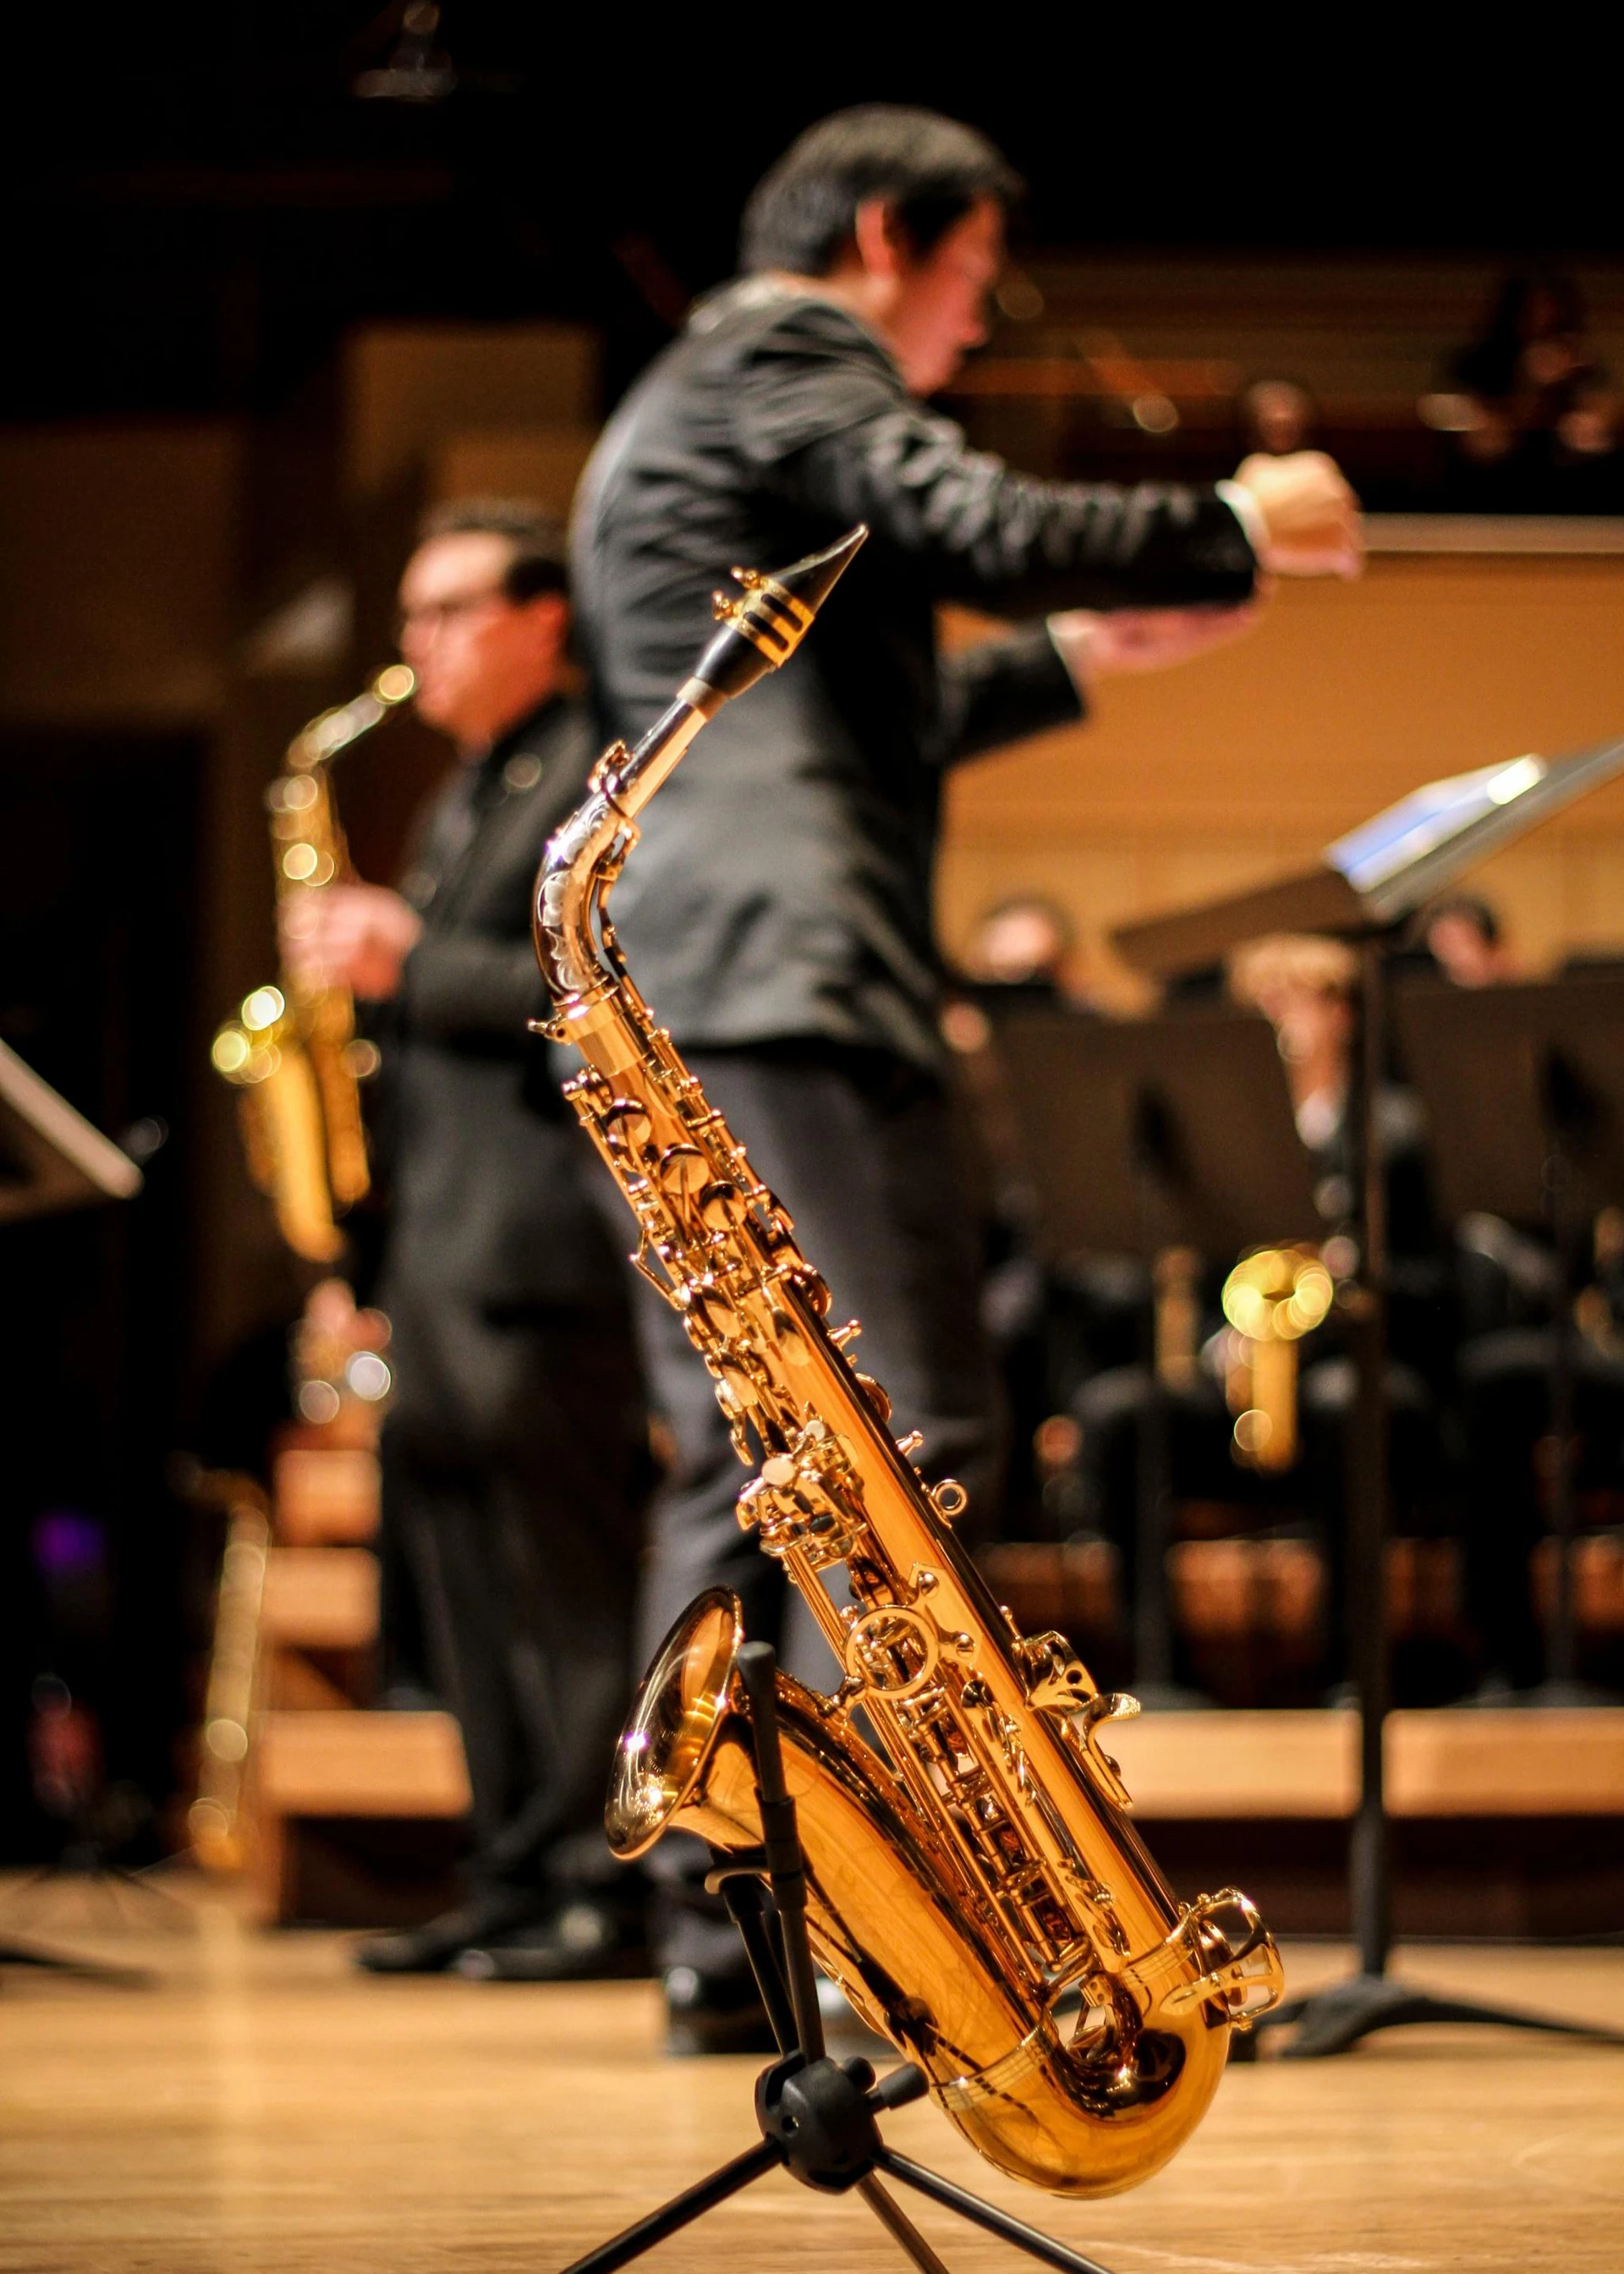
(321, 738)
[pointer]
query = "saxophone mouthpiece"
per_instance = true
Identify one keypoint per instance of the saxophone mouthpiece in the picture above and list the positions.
(765, 621)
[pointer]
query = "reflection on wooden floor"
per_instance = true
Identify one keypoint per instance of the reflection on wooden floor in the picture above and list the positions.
(260, 2106)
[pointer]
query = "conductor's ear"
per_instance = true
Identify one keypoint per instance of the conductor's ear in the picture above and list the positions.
(881, 246)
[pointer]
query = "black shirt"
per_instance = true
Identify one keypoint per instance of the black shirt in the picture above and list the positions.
(783, 888)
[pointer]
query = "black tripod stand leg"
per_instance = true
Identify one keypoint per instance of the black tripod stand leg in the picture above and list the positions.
(1335, 2020)
(984, 2214)
(899, 2226)
(781, 1844)
(692, 2204)
(63, 1961)
(1509, 2017)
(746, 1909)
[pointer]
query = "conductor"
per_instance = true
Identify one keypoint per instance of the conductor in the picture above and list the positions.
(779, 915)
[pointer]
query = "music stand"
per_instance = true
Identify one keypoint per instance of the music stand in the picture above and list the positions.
(51, 1159)
(1362, 888)
(1550, 1058)
(1145, 1135)
(50, 1156)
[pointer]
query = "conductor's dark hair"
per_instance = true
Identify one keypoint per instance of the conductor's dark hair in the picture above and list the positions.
(1467, 908)
(928, 169)
(540, 559)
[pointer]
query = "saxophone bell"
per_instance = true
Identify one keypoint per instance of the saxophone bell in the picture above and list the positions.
(1065, 2089)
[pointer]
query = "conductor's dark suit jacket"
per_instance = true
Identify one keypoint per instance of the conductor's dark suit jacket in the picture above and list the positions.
(486, 1165)
(783, 888)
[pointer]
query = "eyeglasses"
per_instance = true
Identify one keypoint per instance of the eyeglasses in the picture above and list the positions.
(433, 614)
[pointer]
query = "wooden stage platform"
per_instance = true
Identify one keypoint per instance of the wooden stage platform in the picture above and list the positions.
(261, 2109)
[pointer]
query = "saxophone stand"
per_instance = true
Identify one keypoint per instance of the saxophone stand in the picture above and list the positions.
(819, 2118)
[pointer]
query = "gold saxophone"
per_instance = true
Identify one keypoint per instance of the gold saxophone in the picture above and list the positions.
(1272, 1299)
(291, 1050)
(976, 1885)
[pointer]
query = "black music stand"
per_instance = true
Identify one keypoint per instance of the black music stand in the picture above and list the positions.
(1364, 888)
(1145, 1135)
(51, 1159)
(818, 2117)
(50, 1156)
(1523, 1088)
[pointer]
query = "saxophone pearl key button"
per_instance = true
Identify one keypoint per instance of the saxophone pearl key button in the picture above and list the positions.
(522, 772)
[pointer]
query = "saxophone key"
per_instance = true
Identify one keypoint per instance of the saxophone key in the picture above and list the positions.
(790, 1339)
(1057, 1681)
(683, 1170)
(721, 1208)
(874, 1395)
(709, 1313)
(626, 1124)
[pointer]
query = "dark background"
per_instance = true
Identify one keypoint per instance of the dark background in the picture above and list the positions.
(200, 208)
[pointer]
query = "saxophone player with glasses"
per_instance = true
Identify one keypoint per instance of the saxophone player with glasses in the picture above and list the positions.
(511, 1455)
(778, 914)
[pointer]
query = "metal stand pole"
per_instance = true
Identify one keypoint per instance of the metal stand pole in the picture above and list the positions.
(1333, 2020)
(1571, 1119)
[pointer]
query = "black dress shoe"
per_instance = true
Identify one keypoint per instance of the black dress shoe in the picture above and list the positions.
(715, 2014)
(432, 1948)
(583, 1939)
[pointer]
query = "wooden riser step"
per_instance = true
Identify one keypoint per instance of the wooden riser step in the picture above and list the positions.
(325, 1495)
(320, 1599)
(1444, 1762)
(339, 1764)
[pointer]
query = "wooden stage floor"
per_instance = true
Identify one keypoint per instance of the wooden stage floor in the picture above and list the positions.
(262, 2107)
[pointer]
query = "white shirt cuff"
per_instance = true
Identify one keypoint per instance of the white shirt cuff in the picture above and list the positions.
(1247, 511)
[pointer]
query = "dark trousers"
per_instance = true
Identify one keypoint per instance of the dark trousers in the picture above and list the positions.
(511, 1470)
(861, 1149)
(1506, 1395)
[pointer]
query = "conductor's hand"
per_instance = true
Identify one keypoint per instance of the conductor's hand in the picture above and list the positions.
(1142, 639)
(1310, 516)
(354, 936)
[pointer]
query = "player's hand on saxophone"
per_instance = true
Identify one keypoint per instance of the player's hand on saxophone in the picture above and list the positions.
(354, 935)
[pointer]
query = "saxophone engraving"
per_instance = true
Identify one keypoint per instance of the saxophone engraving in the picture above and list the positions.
(291, 1050)
(976, 1887)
